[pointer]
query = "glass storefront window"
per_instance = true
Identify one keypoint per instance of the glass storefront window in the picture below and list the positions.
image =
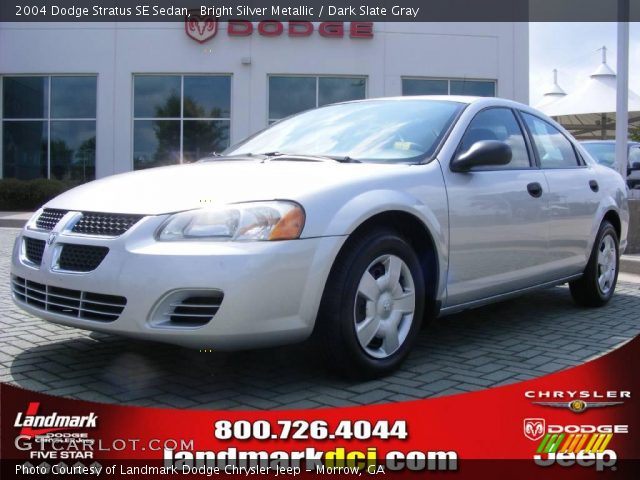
(414, 86)
(179, 118)
(448, 86)
(207, 97)
(73, 149)
(199, 135)
(156, 96)
(49, 127)
(294, 94)
(476, 88)
(73, 97)
(24, 149)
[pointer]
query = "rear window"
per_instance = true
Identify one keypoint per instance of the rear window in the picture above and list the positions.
(554, 149)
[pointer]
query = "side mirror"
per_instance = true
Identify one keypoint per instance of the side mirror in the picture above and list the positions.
(481, 154)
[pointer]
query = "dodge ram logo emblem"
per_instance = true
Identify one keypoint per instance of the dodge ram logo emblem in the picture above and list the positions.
(52, 238)
(534, 428)
(200, 28)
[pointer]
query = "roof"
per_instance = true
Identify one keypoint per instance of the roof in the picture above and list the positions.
(553, 93)
(597, 95)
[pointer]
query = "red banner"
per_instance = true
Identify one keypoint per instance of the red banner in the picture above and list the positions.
(580, 422)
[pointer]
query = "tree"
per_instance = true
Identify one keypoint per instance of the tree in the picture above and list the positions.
(201, 137)
(86, 159)
(167, 132)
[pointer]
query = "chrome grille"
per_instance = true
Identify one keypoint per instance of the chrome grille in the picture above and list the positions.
(67, 302)
(105, 224)
(49, 218)
(195, 310)
(81, 258)
(33, 249)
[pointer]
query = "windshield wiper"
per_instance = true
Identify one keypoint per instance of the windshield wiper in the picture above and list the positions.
(303, 157)
(345, 159)
(225, 158)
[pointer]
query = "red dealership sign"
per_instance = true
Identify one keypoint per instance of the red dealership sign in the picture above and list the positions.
(202, 29)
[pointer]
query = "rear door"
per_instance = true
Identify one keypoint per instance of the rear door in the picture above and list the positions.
(573, 196)
(497, 216)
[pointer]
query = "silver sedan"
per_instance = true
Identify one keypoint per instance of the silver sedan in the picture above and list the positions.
(349, 224)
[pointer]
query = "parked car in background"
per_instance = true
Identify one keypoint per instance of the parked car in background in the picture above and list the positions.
(348, 224)
(604, 152)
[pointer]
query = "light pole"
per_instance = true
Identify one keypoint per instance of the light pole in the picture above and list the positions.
(622, 88)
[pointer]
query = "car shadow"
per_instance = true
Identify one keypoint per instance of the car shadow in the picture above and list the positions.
(493, 345)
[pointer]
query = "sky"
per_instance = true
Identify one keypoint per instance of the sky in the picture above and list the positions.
(574, 49)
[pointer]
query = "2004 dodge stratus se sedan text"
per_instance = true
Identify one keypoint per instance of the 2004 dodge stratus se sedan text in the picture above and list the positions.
(348, 224)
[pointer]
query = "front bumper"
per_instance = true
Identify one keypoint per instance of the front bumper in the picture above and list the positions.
(272, 290)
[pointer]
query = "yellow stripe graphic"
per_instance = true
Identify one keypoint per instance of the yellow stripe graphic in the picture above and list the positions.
(582, 442)
(596, 445)
(605, 443)
(591, 442)
(572, 447)
(565, 447)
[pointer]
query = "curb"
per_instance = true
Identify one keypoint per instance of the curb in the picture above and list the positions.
(630, 264)
(12, 223)
(14, 219)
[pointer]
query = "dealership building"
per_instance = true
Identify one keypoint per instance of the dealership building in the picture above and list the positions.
(85, 100)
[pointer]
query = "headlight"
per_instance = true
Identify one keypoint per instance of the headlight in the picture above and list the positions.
(243, 221)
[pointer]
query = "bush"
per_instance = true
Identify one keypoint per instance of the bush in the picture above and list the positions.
(30, 194)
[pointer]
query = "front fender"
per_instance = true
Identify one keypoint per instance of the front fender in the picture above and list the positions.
(433, 216)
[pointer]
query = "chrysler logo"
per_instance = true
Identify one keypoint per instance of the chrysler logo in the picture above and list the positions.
(577, 406)
(52, 238)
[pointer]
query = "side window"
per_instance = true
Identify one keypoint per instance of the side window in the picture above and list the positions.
(498, 124)
(634, 155)
(554, 150)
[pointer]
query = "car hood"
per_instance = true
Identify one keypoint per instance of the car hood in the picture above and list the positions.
(183, 187)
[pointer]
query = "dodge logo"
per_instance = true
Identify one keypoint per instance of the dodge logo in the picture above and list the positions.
(51, 239)
(534, 428)
(200, 28)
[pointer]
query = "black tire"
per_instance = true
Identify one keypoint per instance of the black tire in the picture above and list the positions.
(587, 291)
(335, 333)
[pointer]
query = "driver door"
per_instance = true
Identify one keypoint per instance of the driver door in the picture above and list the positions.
(498, 216)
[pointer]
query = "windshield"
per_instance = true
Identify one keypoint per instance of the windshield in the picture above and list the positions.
(376, 131)
(603, 153)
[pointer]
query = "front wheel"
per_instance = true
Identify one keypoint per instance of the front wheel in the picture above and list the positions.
(598, 282)
(372, 306)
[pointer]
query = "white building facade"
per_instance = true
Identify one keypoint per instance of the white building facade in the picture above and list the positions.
(87, 100)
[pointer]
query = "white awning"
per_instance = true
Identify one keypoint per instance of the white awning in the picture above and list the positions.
(554, 92)
(596, 96)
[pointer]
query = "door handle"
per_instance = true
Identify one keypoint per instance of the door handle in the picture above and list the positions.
(593, 185)
(534, 189)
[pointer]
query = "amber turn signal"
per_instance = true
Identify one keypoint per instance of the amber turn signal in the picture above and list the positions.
(290, 225)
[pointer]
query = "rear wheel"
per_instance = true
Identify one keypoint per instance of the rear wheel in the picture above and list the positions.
(372, 306)
(598, 283)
